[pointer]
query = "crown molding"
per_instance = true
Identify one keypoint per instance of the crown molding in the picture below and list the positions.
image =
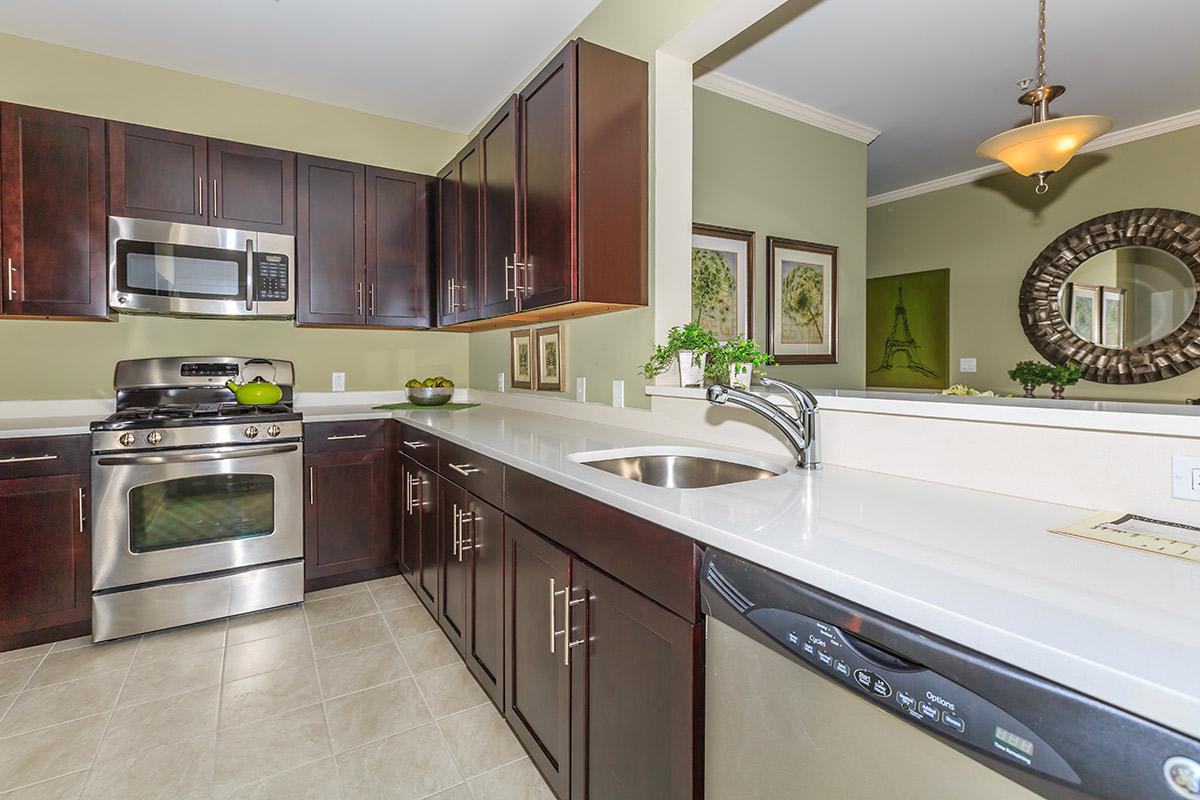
(777, 103)
(1112, 139)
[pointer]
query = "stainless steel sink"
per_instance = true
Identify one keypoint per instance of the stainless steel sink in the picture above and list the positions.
(680, 471)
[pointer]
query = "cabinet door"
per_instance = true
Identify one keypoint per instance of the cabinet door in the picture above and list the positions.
(331, 244)
(537, 679)
(447, 244)
(408, 556)
(482, 540)
(398, 223)
(253, 188)
(456, 566)
(52, 208)
(157, 174)
(498, 187)
(634, 695)
(469, 278)
(547, 184)
(45, 553)
(429, 545)
(346, 515)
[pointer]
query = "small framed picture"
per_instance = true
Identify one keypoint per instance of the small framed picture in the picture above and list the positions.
(802, 305)
(521, 372)
(723, 280)
(549, 347)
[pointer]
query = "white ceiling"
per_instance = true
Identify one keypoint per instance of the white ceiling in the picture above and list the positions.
(444, 63)
(937, 77)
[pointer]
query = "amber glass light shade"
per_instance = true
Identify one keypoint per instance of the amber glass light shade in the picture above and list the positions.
(1044, 147)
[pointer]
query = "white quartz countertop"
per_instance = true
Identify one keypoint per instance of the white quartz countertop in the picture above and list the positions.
(976, 568)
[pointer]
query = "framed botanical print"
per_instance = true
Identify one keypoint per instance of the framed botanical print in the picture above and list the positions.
(1083, 310)
(521, 360)
(802, 305)
(549, 353)
(723, 280)
(1112, 317)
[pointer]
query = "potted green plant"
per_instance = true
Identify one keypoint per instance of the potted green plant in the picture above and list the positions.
(1060, 376)
(1030, 374)
(688, 344)
(735, 360)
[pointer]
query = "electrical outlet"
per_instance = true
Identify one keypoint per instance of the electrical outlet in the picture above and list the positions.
(1185, 477)
(339, 381)
(618, 394)
(500, 387)
(967, 365)
(581, 390)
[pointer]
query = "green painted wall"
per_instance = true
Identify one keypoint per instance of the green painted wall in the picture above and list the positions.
(764, 172)
(52, 360)
(989, 232)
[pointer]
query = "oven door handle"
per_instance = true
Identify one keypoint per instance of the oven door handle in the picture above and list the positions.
(218, 454)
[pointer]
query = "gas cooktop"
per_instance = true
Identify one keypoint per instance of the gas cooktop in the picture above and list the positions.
(173, 415)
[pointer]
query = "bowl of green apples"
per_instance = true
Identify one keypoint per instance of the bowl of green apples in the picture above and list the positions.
(430, 392)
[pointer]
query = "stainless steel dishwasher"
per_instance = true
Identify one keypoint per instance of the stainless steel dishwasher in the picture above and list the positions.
(811, 696)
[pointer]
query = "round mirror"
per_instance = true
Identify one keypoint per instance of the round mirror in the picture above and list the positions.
(1117, 295)
(1127, 297)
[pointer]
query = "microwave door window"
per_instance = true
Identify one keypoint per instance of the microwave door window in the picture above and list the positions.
(169, 270)
(200, 510)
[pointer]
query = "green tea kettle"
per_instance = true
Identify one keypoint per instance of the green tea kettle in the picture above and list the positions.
(256, 392)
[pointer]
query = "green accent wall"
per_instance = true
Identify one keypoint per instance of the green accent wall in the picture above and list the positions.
(58, 360)
(987, 233)
(776, 176)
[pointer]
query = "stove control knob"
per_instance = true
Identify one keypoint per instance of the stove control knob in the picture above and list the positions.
(274, 431)
(154, 437)
(127, 439)
(251, 432)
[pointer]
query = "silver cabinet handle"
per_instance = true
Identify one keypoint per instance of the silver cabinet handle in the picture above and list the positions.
(411, 482)
(463, 469)
(9, 273)
(416, 445)
(455, 530)
(358, 298)
(312, 486)
(371, 299)
(23, 459)
(508, 290)
(345, 436)
(200, 194)
(81, 516)
(568, 644)
(463, 518)
(215, 201)
(553, 633)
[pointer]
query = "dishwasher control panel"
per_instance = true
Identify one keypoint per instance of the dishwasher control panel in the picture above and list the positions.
(910, 690)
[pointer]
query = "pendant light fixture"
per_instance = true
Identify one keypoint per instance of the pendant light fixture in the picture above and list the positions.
(1045, 145)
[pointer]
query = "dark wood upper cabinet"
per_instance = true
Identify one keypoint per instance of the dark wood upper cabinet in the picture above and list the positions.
(157, 174)
(253, 187)
(458, 226)
(347, 523)
(547, 186)
(447, 244)
(635, 697)
(537, 701)
(398, 221)
(53, 238)
(498, 248)
(331, 244)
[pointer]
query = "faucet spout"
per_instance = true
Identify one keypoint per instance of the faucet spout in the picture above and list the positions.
(800, 432)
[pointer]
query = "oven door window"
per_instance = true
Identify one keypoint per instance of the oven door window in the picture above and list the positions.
(200, 510)
(177, 270)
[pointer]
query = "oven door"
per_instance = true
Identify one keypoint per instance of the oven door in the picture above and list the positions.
(166, 515)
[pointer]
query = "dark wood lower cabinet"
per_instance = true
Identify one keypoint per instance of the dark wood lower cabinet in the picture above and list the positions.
(452, 614)
(408, 520)
(429, 540)
(347, 520)
(483, 649)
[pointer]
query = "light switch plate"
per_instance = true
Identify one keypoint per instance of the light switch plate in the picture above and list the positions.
(339, 382)
(618, 394)
(967, 365)
(1185, 477)
(500, 381)
(581, 390)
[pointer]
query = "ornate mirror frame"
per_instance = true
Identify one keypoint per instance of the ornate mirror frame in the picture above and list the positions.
(1174, 232)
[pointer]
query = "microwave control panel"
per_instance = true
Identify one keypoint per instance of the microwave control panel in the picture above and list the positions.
(272, 276)
(920, 695)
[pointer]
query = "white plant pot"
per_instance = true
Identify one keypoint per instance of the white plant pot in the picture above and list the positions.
(691, 369)
(740, 374)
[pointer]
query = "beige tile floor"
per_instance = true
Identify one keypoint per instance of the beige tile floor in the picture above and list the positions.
(354, 695)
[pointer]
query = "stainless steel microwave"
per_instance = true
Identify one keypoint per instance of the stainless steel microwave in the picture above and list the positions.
(198, 271)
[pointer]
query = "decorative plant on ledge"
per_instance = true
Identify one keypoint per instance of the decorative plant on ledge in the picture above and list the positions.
(735, 361)
(1060, 376)
(691, 345)
(1030, 374)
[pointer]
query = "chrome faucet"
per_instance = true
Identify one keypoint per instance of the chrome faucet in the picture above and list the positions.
(801, 431)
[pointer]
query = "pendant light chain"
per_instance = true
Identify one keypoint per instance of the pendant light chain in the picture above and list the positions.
(1041, 43)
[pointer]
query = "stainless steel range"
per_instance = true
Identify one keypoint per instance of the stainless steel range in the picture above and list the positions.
(197, 501)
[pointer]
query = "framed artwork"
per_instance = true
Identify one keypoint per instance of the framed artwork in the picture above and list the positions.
(1112, 318)
(801, 301)
(908, 330)
(1083, 311)
(549, 351)
(723, 280)
(521, 370)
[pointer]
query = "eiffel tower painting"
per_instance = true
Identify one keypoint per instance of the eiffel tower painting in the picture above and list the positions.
(900, 358)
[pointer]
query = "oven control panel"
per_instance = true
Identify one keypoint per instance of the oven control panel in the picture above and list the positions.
(921, 695)
(272, 276)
